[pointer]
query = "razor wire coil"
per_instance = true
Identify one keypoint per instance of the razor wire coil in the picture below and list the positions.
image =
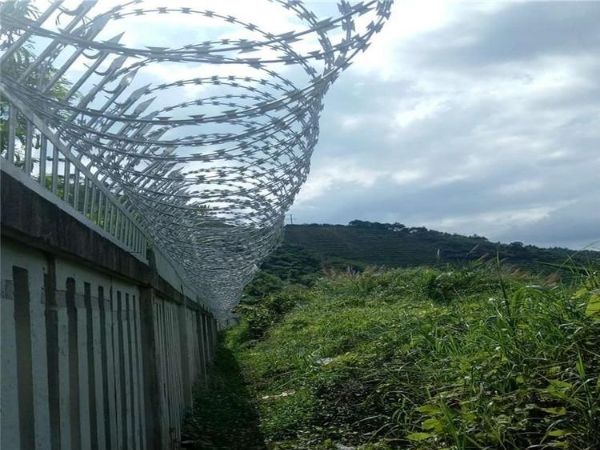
(207, 161)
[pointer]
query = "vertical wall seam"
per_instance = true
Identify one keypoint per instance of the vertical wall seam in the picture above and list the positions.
(91, 356)
(52, 353)
(22, 317)
(73, 343)
(123, 390)
(104, 364)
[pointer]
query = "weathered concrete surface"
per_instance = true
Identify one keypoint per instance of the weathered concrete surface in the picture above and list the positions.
(32, 219)
(98, 350)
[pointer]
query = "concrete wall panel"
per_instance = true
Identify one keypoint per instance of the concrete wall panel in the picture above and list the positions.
(9, 402)
(80, 383)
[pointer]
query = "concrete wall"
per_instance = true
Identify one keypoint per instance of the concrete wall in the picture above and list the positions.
(92, 357)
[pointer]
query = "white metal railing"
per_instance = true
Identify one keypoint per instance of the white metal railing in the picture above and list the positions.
(36, 152)
(200, 146)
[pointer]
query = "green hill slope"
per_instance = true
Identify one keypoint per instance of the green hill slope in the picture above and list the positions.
(393, 245)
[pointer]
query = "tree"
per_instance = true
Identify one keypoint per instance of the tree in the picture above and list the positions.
(16, 63)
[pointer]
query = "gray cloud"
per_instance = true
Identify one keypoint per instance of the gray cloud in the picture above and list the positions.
(523, 31)
(560, 226)
(488, 125)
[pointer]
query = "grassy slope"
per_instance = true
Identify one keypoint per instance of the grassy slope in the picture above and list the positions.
(427, 359)
(224, 415)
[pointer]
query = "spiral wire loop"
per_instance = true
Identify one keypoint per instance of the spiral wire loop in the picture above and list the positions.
(203, 146)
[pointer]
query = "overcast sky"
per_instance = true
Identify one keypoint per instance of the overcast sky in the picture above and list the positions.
(468, 117)
(462, 116)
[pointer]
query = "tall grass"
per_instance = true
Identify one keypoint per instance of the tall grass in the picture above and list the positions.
(474, 358)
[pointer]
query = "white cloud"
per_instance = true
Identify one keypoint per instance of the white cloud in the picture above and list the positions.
(407, 176)
(337, 175)
(422, 109)
(498, 221)
(350, 121)
(520, 187)
(412, 18)
(408, 18)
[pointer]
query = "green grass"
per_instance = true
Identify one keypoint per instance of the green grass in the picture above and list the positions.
(473, 358)
(224, 416)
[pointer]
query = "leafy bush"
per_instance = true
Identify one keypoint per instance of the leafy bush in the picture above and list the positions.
(262, 313)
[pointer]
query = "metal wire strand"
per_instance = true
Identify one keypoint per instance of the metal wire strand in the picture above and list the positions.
(206, 163)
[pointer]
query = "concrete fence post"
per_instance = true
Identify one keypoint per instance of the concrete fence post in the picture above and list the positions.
(213, 336)
(153, 411)
(24, 357)
(201, 347)
(184, 352)
(52, 352)
(207, 344)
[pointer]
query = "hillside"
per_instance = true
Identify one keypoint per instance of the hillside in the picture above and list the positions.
(453, 349)
(363, 244)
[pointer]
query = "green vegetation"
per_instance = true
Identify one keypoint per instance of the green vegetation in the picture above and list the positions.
(224, 416)
(467, 344)
(277, 288)
(360, 244)
(14, 66)
(471, 358)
